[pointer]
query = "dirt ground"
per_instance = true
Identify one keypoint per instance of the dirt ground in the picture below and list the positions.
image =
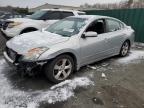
(117, 83)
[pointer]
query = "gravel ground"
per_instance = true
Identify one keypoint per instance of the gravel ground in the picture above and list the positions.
(112, 83)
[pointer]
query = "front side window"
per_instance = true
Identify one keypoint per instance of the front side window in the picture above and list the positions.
(46, 15)
(37, 15)
(67, 27)
(113, 25)
(97, 26)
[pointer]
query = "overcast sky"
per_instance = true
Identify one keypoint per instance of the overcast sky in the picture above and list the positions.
(34, 3)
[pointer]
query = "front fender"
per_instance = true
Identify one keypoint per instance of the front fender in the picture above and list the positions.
(52, 54)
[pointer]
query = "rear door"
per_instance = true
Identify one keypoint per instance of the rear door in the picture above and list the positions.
(115, 35)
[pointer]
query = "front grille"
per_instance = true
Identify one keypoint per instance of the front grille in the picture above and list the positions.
(12, 54)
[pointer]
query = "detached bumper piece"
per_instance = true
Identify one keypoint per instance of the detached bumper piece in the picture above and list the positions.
(11, 57)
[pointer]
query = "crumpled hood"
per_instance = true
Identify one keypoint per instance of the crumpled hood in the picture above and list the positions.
(23, 43)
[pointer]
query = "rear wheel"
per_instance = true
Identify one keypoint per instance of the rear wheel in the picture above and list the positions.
(125, 49)
(59, 69)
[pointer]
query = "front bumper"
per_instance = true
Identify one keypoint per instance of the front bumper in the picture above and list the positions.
(4, 35)
(8, 32)
(25, 66)
(8, 59)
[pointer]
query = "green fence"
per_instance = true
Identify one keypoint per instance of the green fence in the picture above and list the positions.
(132, 17)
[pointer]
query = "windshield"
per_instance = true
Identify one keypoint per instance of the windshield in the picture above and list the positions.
(37, 15)
(67, 27)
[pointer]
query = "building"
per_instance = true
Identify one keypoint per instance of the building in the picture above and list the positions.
(51, 6)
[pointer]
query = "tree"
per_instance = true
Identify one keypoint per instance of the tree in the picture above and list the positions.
(130, 2)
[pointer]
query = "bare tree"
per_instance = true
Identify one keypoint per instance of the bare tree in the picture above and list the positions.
(121, 5)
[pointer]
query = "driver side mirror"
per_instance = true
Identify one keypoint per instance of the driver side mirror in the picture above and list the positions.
(89, 34)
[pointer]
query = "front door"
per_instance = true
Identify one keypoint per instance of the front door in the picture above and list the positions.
(94, 48)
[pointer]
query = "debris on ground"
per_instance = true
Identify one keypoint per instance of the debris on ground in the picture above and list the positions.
(104, 76)
(98, 101)
(92, 67)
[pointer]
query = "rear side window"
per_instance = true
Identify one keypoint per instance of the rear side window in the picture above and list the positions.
(113, 25)
(67, 14)
(51, 15)
(54, 15)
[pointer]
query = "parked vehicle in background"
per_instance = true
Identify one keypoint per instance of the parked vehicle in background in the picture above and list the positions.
(7, 15)
(10, 15)
(36, 21)
(69, 44)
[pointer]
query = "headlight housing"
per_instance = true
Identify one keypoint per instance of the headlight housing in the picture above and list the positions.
(12, 25)
(34, 53)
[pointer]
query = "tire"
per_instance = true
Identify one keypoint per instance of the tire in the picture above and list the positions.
(59, 69)
(125, 49)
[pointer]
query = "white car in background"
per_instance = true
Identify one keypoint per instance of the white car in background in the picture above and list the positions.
(37, 21)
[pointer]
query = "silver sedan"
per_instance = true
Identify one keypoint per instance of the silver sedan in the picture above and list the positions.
(69, 44)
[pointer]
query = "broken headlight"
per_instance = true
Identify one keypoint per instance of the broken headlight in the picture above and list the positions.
(34, 53)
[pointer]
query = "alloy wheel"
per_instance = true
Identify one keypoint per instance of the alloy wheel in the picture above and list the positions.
(62, 69)
(125, 49)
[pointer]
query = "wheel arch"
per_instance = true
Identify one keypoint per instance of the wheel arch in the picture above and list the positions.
(28, 28)
(73, 57)
(128, 40)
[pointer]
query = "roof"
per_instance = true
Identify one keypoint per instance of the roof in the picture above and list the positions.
(90, 16)
(52, 6)
(67, 10)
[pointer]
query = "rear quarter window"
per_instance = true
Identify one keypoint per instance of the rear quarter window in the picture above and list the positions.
(54, 15)
(67, 14)
(113, 25)
(81, 13)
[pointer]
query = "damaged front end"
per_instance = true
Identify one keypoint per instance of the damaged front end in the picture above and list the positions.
(30, 68)
(23, 67)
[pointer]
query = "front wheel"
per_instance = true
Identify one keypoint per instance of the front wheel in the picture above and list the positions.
(59, 69)
(125, 49)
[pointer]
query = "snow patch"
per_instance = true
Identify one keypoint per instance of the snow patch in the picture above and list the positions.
(12, 98)
(132, 57)
(2, 61)
(64, 90)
